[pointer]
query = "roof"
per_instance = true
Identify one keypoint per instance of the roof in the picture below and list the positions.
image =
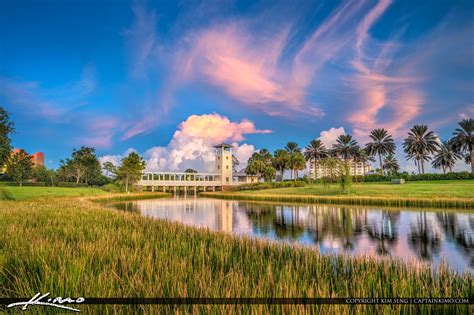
(223, 145)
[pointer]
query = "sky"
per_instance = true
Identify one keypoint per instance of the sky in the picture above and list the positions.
(169, 79)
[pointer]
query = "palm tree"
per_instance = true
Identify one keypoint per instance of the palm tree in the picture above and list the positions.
(297, 162)
(419, 144)
(464, 140)
(390, 163)
(314, 152)
(382, 144)
(292, 148)
(281, 161)
(446, 156)
(346, 147)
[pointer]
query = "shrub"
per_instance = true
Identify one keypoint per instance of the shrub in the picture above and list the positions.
(72, 185)
(37, 184)
(113, 188)
(415, 177)
(6, 195)
(269, 185)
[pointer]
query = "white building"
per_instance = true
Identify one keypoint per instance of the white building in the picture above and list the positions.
(356, 168)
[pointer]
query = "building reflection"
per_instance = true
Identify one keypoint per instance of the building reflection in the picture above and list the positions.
(397, 233)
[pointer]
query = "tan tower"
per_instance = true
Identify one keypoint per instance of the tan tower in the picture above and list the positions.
(223, 165)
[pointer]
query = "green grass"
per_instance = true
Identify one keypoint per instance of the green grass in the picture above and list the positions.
(456, 193)
(75, 247)
(28, 192)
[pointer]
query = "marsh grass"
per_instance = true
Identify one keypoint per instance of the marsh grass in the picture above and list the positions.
(77, 247)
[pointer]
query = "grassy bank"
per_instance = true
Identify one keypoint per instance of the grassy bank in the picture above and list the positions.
(75, 247)
(440, 194)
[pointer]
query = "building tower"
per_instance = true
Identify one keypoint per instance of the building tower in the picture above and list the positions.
(223, 166)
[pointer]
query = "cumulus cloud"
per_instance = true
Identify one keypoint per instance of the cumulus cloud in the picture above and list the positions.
(329, 137)
(192, 144)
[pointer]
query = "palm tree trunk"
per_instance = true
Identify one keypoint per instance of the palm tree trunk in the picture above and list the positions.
(472, 158)
(381, 165)
(423, 166)
(444, 170)
(418, 165)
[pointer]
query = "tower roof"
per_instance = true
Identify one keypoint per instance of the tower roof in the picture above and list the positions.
(223, 145)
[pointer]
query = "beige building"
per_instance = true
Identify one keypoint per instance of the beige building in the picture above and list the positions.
(357, 168)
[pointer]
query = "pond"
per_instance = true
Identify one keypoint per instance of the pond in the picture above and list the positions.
(425, 236)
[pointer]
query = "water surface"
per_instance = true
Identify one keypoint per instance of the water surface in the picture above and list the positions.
(421, 235)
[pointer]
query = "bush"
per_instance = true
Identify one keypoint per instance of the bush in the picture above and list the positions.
(415, 177)
(72, 184)
(37, 184)
(113, 188)
(269, 185)
(6, 195)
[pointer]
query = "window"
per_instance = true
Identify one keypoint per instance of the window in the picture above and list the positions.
(218, 167)
(227, 179)
(226, 157)
(227, 167)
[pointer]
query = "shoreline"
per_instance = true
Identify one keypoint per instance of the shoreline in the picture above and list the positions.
(441, 203)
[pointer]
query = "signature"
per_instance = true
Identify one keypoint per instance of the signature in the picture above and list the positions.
(39, 299)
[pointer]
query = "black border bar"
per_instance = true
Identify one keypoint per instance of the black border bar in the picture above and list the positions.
(249, 301)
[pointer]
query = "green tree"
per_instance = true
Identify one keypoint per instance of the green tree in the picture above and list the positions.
(109, 168)
(293, 160)
(297, 162)
(131, 169)
(419, 144)
(44, 175)
(314, 152)
(261, 164)
(445, 157)
(390, 164)
(83, 166)
(346, 147)
(382, 144)
(281, 161)
(464, 140)
(19, 167)
(6, 130)
(190, 170)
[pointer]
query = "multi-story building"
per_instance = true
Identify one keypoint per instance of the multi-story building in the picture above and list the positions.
(37, 158)
(356, 168)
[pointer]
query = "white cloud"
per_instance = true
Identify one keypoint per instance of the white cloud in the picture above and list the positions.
(192, 144)
(115, 159)
(329, 137)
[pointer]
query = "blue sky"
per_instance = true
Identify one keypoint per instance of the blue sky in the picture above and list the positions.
(171, 78)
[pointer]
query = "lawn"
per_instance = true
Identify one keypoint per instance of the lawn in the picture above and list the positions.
(73, 247)
(439, 194)
(445, 189)
(28, 192)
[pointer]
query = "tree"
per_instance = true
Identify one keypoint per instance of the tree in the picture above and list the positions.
(382, 144)
(44, 175)
(464, 140)
(346, 148)
(190, 170)
(261, 164)
(6, 130)
(109, 168)
(19, 167)
(446, 156)
(419, 144)
(131, 169)
(390, 164)
(291, 147)
(297, 162)
(281, 161)
(83, 166)
(314, 152)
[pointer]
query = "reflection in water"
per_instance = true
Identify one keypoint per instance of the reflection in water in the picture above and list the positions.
(399, 233)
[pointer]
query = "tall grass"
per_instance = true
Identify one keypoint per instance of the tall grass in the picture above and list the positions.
(464, 203)
(75, 247)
